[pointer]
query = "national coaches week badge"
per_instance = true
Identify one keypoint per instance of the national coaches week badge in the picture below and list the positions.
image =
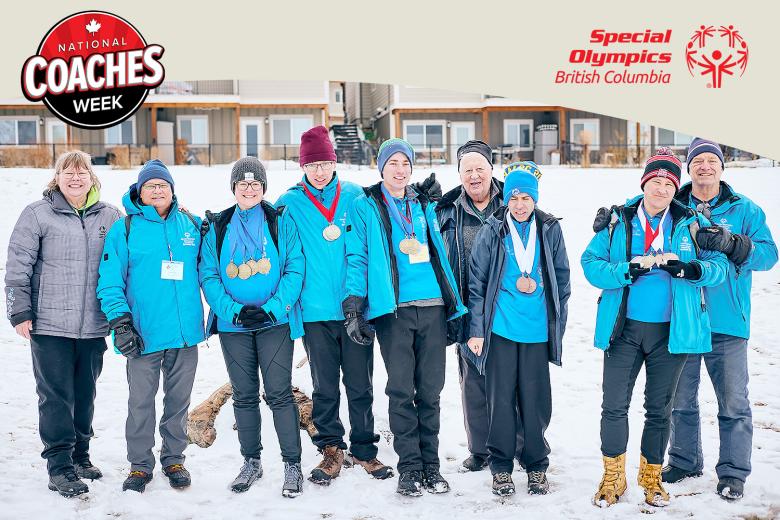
(93, 70)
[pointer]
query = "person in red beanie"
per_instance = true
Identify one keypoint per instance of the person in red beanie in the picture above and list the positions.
(319, 203)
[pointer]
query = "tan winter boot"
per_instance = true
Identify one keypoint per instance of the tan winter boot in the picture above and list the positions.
(613, 483)
(373, 467)
(330, 467)
(649, 478)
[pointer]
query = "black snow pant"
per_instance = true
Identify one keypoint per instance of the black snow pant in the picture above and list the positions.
(66, 372)
(413, 349)
(331, 352)
(517, 382)
(648, 344)
(272, 351)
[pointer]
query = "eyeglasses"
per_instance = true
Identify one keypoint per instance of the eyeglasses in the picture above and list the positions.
(254, 186)
(72, 175)
(163, 186)
(325, 165)
(704, 209)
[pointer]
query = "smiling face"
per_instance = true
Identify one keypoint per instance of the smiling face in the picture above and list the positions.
(475, 174)
(658, 194)
(521, 207)
(319, 173)
(705, 170)
(396, 173)
(158, 194)
(248, 194)
(74, 182)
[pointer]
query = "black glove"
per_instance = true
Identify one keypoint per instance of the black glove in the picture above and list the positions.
(718, 238)
(357, 327)
(636, 270)
(687, 270)
(126, 339)
(603, 218)
(252, 317)
(430, 187)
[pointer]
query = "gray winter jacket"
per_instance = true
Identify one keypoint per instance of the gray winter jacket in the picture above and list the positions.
(488, 257)
(52, 268)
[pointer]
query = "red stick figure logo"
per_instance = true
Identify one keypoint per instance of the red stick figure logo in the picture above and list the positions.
(715, 53)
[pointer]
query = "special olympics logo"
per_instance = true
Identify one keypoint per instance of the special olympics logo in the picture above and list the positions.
(714, 56)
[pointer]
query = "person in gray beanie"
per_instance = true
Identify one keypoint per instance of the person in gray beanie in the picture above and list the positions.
(248, 169)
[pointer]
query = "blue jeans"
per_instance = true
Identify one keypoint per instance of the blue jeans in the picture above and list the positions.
(727, 367)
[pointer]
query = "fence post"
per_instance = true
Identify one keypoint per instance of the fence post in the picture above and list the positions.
(285, 157)
(209, 155)
(53, 154)
(430, 156)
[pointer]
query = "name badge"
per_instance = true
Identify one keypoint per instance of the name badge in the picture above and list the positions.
(172, 270)
(421, 256)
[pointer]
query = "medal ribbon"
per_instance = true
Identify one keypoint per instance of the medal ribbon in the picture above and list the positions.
(405, 221)
(524, 255)
(328, 213)
(242, 231)
(653, 239)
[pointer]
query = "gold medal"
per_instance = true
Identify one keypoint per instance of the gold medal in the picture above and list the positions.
(409, 246)
(252, 265)
(526, 284)
(331, 232)
(244, 271)
(231, 270)
(264, 266)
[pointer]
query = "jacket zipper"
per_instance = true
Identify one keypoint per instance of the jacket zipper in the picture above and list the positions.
(86, 277)
(384, 217)
(175, 289)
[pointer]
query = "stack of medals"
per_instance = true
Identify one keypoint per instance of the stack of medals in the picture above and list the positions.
(332, 231)
(408, 245)
(241, 232)
(654, 242)
(524, 255)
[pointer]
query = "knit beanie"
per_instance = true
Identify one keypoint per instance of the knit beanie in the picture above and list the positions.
(247, 169)
(699, 145)
(476, 146)
(390, 147)
(522, 177)
(154, 169)
(663, 164)
(316, 146)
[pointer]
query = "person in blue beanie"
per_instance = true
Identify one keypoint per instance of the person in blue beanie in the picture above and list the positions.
(148, 289)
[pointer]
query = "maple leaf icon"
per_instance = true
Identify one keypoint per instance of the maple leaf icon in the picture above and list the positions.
(93, 26)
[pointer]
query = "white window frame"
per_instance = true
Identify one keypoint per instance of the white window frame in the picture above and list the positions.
(424, 123)
(277, 117)
(49, 123)
(530, 123)
(183, 117)
(676, 144)
(586, 120)
(36, 119)
(133, 134)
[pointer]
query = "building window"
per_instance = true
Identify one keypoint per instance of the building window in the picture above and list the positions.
(338, 96)
(123, 133)
(425, 134)
(193, 129)
(672, 138)
(288, 129)
(519, 133)
(19, 130)
(585, 131)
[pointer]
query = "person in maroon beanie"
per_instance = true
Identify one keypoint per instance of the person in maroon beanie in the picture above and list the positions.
(319, 204)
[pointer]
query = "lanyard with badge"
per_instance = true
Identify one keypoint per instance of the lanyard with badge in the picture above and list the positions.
(172, 269)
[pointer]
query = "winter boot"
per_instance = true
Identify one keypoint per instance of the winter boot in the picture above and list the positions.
(330, 467)
(373, 467)
(136, 481)
(672, 474)
(67, 484)
(649, 478)
(730, 488)
(432, 480)
(410, 483)
(178, 477)
(473, 463)
(85, 469)
(293, 480)
(250, 471)
(613, 483)
(537, 483)
(503, 485)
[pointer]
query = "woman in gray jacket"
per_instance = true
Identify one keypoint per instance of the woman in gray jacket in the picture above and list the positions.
(50, 280)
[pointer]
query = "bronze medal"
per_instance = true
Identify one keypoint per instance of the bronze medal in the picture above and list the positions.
(409, 246)
(526, 284)
(331, 232)
(244, 271)
(231, 270)
(264, 266)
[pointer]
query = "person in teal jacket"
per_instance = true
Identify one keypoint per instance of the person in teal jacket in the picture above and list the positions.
(251, 272)
(319, 205)
(651, 311)
(739, 231)
(148, 289)
(399, 277)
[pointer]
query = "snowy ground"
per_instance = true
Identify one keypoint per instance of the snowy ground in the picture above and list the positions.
(573, 434)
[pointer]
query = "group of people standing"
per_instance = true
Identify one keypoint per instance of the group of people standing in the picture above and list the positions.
(340, 265)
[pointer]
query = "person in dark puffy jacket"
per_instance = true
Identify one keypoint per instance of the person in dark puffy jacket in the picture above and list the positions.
(51, 275)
